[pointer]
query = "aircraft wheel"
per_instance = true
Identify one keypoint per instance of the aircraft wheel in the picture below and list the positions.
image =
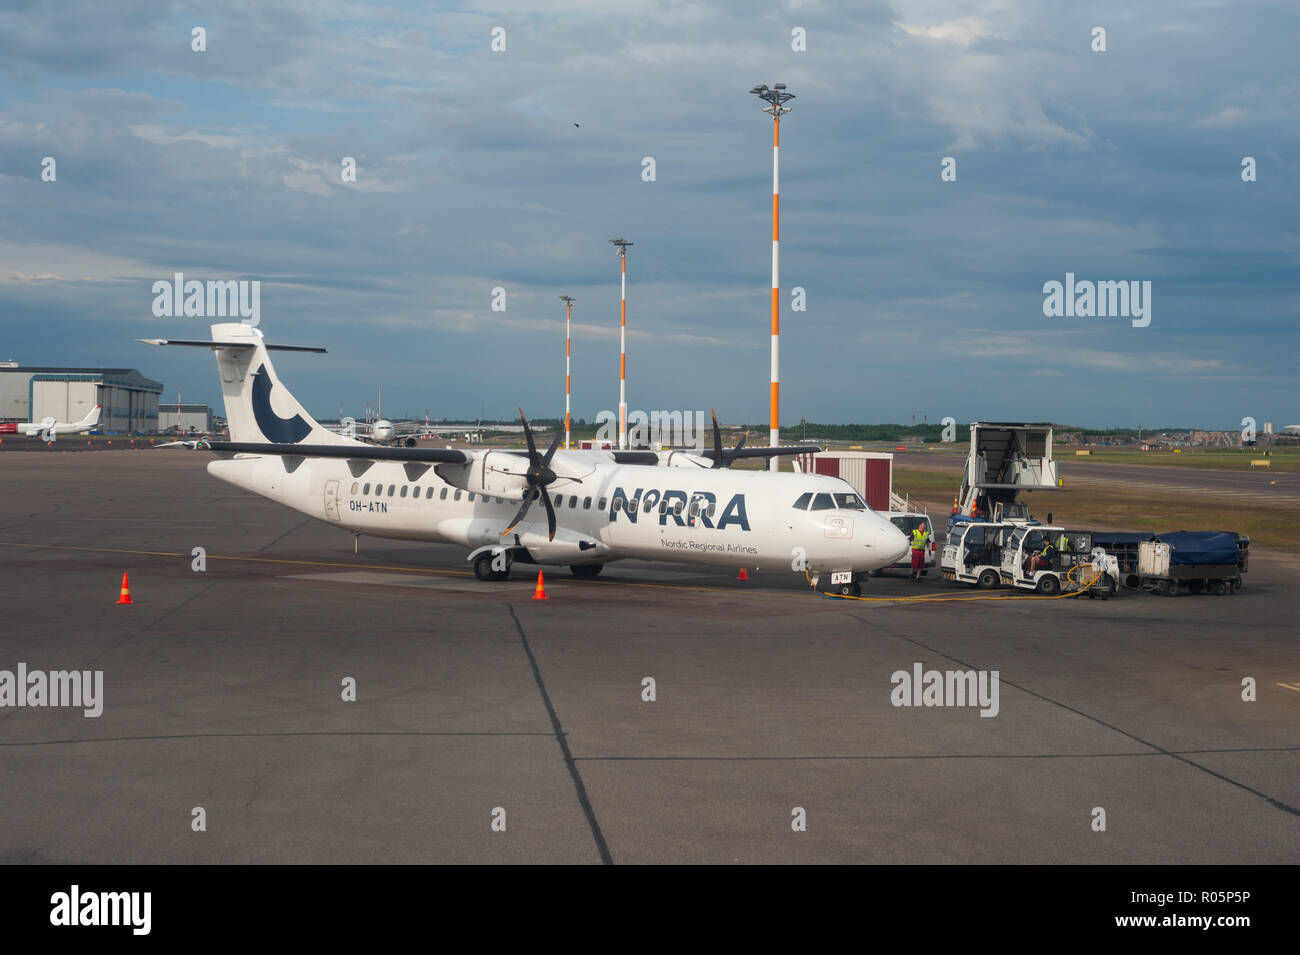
(989, 579)
(586, 570)
(849, 590)
(1049, 586)
(484, 569)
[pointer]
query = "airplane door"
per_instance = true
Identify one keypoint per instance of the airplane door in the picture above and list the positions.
(332, 500)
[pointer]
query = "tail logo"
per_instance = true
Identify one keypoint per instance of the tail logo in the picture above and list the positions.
(276, 429)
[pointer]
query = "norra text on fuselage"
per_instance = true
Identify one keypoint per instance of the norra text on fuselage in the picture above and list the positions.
(696, 508)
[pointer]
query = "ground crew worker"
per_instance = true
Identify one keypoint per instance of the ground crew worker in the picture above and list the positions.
(920, 539)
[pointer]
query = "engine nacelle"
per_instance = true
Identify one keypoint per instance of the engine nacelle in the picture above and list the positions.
(503, 474)
(495, 473)
(567, 548)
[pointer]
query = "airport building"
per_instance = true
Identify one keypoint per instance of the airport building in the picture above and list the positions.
(129, 400)
(186, 417)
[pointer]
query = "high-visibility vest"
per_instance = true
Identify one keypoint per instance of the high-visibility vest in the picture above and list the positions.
(919, 539)
(1063, 543)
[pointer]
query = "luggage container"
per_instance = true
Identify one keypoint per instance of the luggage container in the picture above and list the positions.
(1200, 561)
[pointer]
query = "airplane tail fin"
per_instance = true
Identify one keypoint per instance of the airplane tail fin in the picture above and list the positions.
(91, 419)
(258, 406)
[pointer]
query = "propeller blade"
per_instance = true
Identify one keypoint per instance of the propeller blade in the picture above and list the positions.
(717, 442)
(546, 461)
(550, 514)
(529, 496)
(731, 455)
(528, 436)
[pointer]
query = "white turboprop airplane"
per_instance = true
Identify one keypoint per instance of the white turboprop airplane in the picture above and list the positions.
(51, 427)
(599, 506)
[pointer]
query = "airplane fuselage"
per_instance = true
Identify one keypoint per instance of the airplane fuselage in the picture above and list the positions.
(680, 514)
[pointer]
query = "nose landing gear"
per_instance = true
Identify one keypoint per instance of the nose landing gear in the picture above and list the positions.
(841, 584)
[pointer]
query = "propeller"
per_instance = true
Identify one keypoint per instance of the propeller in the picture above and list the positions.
(721, 458)
(538, 476)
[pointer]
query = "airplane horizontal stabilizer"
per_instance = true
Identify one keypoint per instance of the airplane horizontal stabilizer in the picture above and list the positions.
(248, 345)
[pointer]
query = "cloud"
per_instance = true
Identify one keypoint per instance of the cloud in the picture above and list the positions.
(471, 175)
(1231, 116)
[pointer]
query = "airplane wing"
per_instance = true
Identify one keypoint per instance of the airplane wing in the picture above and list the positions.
(759, 452)
(359, 452)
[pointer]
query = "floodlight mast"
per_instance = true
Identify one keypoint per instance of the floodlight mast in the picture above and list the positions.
(622, 245)
(776, 98)
(568, 301)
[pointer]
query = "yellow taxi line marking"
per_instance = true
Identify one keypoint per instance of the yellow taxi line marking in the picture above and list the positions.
(1291, 686)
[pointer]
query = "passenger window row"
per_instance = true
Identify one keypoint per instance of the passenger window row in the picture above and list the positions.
(414, 492)
(558, 501)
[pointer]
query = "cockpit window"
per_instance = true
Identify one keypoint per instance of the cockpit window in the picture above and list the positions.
(823, 502)
(802, 503)
(850, 502)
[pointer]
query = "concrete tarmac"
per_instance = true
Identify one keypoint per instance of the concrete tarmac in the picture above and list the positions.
(222, 690)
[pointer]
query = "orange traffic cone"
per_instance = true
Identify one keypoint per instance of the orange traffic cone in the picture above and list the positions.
(126, 591)
(743, 575)
(540, 592)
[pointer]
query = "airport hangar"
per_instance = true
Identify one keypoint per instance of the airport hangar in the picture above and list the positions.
(186, 416)
(129, 399)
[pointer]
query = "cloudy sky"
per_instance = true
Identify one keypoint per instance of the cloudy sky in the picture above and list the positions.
(924, 297)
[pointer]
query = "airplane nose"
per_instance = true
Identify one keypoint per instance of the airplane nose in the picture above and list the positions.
(894, 538)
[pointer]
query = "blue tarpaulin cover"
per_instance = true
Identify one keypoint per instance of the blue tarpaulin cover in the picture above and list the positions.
(1201, 547)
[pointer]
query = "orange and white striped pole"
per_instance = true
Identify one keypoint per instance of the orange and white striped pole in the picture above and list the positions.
(568, 301)
(776, 98)
(774, 435)
(622, 245)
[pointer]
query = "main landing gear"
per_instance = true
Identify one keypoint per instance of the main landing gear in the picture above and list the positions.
(586, 570)
(488, 566)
